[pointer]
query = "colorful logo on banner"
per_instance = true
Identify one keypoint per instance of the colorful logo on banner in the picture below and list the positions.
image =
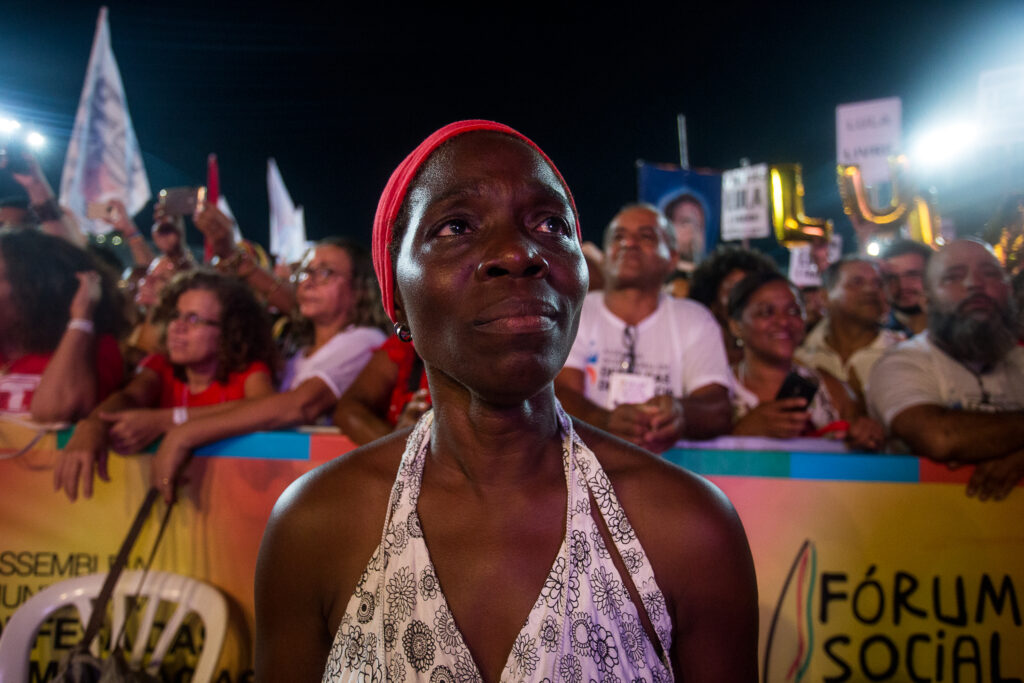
(691, 200)
(890, 623)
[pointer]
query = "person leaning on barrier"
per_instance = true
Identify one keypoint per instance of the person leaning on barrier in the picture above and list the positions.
(645, 366)
(955, 394)
(60, 316)
(850, 339)
(767, 317)
(341, 322)
(219, 350)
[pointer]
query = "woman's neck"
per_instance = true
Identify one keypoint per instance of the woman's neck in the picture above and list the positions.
(494, 446)
(199, 376)
(761, 376)
(324, 332)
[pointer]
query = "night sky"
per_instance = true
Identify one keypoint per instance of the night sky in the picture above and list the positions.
(338, 96)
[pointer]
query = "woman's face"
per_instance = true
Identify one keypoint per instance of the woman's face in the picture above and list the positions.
(324, 289)
(193, 335)
(772, 324)
(490, 275)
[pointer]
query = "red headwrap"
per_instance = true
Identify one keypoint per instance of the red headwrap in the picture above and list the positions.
(398, 185)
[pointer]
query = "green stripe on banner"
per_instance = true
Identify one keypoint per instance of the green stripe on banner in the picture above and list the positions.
(736, 463)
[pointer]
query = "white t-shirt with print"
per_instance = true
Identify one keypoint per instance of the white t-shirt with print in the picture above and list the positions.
(679, 347)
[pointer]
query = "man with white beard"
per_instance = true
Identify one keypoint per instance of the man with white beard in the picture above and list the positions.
(955, 394)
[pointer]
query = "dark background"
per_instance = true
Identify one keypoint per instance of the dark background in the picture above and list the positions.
(338, 95)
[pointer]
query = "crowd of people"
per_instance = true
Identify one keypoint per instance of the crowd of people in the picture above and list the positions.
(471, 322)
(887, 354)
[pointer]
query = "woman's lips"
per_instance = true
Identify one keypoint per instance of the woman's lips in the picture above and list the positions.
(516, 317)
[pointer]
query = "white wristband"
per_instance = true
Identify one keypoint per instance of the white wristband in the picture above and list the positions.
(179, 415)
(82, 325)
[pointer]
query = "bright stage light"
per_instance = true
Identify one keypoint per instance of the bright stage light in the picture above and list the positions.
(874, 248)
(8, 125)
(35, 140)
(943, 145)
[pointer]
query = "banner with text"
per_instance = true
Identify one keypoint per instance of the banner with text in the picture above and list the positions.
(867, 134)
(745, 203)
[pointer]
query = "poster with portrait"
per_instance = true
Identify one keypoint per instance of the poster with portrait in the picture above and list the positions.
(690, 199)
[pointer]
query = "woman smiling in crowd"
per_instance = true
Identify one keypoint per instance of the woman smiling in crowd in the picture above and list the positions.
(767, 318)
(500, 539)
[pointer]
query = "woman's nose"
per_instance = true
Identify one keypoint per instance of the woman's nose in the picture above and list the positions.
(511, 252)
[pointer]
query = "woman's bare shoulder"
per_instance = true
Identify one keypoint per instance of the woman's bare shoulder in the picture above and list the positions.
(677, 514)
(326, 525)
(697, 547)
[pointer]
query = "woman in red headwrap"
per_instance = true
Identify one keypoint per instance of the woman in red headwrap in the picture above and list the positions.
(500, 538)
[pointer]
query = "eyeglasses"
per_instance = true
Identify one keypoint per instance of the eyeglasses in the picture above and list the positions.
(317, 275)
(629, 342)
(191, 320)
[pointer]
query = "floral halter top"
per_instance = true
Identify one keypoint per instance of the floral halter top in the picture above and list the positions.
(397, 627)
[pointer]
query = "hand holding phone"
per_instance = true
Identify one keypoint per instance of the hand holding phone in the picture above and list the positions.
(796, 385)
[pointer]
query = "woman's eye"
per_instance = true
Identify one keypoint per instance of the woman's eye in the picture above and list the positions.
(453, 227)
(555, 225)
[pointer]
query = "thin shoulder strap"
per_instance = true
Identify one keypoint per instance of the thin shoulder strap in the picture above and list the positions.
(99, 610)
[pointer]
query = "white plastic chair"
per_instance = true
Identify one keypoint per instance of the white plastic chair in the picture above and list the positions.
(190, 595)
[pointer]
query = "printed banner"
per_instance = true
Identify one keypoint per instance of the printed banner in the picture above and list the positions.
(867, 134)
(745, 203)
(869, 567)
(690, 199)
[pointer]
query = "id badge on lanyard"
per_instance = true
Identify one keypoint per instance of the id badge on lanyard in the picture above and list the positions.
(623, 385)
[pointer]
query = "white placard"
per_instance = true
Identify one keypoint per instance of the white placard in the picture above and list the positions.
(802, 270)
(867, 134)
(745, 203)
(1001, 105)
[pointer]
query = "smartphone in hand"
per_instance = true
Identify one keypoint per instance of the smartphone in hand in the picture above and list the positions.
(797, 386)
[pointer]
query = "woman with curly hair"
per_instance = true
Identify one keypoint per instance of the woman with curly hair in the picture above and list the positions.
(341, 318)
(715, 277)
(219, 349)
(60, 315)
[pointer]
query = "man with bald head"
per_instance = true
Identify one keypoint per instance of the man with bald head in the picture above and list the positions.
(646, 366)
(955, 393)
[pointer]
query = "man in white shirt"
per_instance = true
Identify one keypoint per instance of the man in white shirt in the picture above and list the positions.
(955, 393)
(645, 366)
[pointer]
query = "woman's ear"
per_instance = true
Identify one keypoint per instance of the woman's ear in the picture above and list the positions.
(734, 327)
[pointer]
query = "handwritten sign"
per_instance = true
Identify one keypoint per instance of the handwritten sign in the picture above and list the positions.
(867, 134)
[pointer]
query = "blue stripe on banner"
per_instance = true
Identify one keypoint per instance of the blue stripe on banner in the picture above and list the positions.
(265, 445)
(895, 468)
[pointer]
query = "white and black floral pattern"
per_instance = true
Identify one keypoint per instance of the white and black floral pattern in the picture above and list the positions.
(583, 626)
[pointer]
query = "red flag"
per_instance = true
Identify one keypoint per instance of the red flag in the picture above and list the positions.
(212, 195)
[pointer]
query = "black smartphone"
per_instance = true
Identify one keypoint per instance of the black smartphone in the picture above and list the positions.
(797, 386)
(181, 201)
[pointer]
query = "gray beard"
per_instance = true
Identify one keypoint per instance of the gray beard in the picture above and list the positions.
(969, 340)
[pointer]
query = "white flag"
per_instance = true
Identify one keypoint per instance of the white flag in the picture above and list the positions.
(103, 160)
(287, 223)
(225, 208)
